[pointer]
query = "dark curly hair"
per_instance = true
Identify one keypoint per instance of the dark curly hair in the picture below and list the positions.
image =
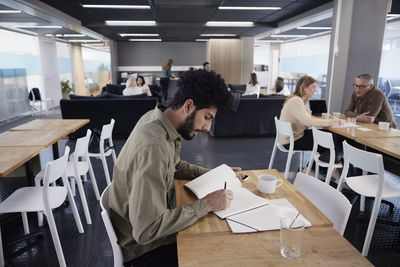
(206, 89)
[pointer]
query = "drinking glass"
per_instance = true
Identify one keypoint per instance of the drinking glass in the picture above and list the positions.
(292, 231)
(352, 122)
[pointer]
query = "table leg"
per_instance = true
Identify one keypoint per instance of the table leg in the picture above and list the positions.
(56, 153)
(29, 173)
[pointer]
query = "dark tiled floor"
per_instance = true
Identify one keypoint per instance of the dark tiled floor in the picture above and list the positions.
(93, 249)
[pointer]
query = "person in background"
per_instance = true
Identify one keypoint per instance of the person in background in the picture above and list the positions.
(252, 87)
(368, 103)
(207, 66)
(136, 87)
(298, 114)
(280, 87)
(165, 76)
(142, 194)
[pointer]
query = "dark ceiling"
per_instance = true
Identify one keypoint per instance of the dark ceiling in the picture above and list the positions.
(183, 20)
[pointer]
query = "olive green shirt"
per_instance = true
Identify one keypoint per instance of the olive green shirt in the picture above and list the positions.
(142, 195)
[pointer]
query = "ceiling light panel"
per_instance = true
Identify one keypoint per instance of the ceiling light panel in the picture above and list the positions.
(248, 8)
(314, 28)
(10, 11)
(229, 24)
(38, 27)
(218, 35)
(117, 6)
(131, 23)
(138, 34)
(145, 40)
(287, 35)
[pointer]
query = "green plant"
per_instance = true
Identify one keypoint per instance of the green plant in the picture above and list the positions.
(65, 87)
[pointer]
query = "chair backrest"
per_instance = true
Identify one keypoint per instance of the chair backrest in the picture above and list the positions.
(106, 131)
(328, 200)
(322, 138)
(82, 144)
(56, 169)
(367, 161)
(284, 128)
(34, 94)
(118, 260)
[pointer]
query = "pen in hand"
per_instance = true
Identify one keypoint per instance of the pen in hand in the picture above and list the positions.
(225, 185)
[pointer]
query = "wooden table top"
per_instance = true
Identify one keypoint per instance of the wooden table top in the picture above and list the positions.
(389, 146)
(211, 223)
(52, 124)
(13, 157)
(322, 246)
(357, 133)
(31, 138)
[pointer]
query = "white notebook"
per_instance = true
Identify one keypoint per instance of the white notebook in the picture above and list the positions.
(264, 218)
(215, 179)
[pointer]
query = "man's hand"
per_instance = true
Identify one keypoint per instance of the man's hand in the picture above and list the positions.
(238, 175)
(364, 117)
(218, 200)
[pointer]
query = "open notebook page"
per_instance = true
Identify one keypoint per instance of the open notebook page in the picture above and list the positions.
(264, 218)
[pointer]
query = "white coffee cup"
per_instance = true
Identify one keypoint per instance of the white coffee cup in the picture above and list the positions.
(268, 183)
(383, 125)
(326, 115)
(337, 114)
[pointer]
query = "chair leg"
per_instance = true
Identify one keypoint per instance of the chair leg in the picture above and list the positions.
(25, 222)
(74, 210)
(94, 181)
(362, 203)
(316, 170)
(301, 160)
(310, 163)
(105, 167)
(56, 239)
(329, 175)
(371, 227)
(40, 218)
(83, 199)
(85, 177)
(72, 184)
(288, 162)
(271, 161)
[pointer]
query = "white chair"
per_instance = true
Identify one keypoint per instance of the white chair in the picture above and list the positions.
(37, 99)
(374, 185)
(327, 199)
(285, 129)
(118, 260)
(78, 165)
(44, 198)
(325, 140)
(106, 134)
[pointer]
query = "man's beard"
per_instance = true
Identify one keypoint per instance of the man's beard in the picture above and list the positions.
(187, 128)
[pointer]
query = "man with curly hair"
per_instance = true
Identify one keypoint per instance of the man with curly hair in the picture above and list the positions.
(142, 194)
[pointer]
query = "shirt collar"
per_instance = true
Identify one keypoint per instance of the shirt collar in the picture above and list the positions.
(171, 131)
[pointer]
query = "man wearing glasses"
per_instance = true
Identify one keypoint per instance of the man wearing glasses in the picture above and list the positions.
(368, 103)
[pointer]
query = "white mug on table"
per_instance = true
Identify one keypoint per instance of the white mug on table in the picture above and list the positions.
(268, 183)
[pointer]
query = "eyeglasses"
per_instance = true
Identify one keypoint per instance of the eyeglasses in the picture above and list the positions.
(361, 86)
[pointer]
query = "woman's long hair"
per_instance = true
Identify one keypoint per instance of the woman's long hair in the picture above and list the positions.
(253, 79)
(130, 83)
(168, 64)
(304, 81)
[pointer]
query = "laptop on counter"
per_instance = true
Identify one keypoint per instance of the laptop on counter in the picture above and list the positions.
(317, 107)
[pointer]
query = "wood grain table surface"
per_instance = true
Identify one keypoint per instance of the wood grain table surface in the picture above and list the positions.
(12, 157)
(52, 124)
(212, 223)
(322, 246)
(32, 138)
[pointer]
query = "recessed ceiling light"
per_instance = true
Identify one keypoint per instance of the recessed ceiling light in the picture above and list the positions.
(145, 40)
(217, 34)
(287, 35)
(249, 8)
(138, 34)
(48, 35)
(269, 41)
(38, 27)
(131, 22)
(201, 40)
(10, 11)
(314, 28)
(229, 24)
(393, 15)
(117, 6)
(84, 41)
(74, 35)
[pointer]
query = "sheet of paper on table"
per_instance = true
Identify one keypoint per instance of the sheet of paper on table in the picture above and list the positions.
(264, 218)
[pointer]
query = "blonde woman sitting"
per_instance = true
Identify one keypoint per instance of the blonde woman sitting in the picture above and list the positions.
(137, 87)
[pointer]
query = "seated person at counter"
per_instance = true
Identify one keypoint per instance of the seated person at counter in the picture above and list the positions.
(142, 193)
(136, 87)
(280, 87)
(368, 103)
(252, 87)
(298, 114)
